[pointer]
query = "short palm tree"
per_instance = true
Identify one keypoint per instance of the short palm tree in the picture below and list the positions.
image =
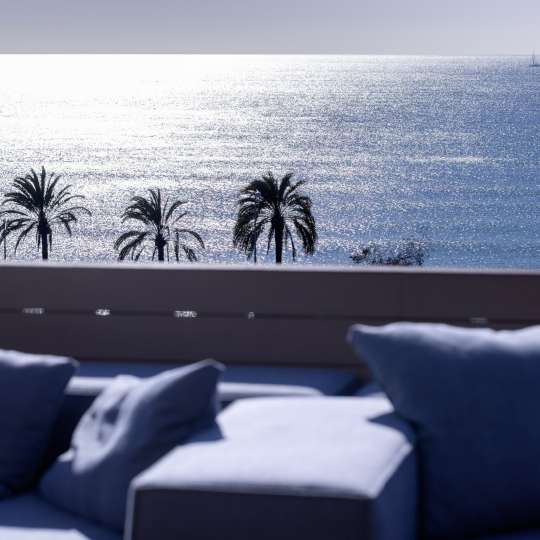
(280, 208)
(160, 220)
(38, 205)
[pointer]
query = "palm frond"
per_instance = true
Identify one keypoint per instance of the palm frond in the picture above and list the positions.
(23, 235)
(174, 207)
(124, 237)
(193, 234)
(128, 244)
(49, 189)
(189, 252)
(289, 237)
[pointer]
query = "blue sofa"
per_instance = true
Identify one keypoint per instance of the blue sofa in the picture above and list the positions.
(290, 462)
(30, 517)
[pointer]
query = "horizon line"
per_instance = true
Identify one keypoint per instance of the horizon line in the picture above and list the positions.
(237, 53)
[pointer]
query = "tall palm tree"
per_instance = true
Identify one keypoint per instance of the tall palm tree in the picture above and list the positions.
(160, 220)
(280, 207)
(38, 205)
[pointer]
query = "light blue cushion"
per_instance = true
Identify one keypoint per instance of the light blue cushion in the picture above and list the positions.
(474, 397)
(31, 392)
(311, 468)
(130, 425)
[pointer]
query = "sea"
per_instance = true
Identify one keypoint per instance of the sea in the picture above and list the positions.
(443, 151)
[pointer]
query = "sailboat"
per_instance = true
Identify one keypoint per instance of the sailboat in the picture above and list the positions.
(534, 61)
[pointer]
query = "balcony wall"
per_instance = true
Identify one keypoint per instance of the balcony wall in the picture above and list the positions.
(239, 315)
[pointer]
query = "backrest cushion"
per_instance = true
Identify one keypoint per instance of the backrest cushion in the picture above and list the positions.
(473, 396)
(31, 392)
(131, 424)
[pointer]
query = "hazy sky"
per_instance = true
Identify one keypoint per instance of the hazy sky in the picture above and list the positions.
(280, 26)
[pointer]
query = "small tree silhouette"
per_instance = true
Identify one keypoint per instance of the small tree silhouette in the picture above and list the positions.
(280, 208)
(159, 219)
(411, 253)
(38, 206)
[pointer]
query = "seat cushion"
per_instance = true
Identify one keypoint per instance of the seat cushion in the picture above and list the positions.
(286, 468)
(29, 517)
(31, 392)
(262, 446)
(128, 427)
(473, 396)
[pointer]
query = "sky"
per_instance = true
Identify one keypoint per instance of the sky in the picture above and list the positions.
(445, 27)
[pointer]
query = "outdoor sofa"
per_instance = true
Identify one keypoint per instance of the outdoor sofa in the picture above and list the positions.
(29, 516)
(285, 461)
(303, 447)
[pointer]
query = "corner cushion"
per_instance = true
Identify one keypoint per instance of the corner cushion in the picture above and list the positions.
(282, 468)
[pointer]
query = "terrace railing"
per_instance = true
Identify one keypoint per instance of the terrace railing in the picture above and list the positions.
(294, 316)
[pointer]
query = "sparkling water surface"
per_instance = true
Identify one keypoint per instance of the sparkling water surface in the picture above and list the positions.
(436, 149)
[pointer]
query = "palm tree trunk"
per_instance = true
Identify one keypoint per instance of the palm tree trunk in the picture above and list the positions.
(44, 247)
(279, 244)
(161, 253)
(160, 244)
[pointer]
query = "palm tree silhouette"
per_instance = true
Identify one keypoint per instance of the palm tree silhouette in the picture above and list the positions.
(38, 206)
(159, 218)
(280, 206)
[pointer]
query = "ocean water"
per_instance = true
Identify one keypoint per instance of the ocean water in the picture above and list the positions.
(435, 149)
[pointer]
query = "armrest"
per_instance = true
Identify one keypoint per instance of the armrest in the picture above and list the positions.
(284, 469)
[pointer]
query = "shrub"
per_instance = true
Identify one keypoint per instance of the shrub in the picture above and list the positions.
(406, 253)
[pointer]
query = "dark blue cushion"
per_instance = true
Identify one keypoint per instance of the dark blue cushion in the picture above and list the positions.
(128, 427)
(31, 392)
(29, 517)
(473, 396)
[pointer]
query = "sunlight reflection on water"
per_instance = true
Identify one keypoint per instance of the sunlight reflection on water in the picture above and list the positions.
(439, 149)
